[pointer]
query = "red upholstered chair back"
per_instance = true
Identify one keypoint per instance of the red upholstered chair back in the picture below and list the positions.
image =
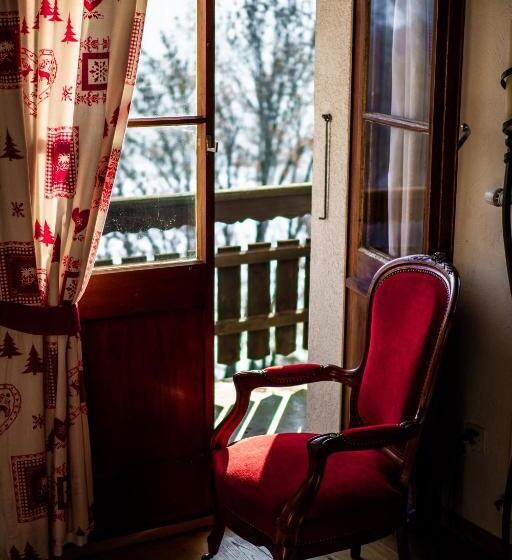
(411, 302)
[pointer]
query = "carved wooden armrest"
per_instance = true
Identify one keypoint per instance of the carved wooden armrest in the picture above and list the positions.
(276, 376)
(366, 437)
(320, 448)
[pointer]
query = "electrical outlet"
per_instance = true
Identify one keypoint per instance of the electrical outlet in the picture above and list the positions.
(474, 438)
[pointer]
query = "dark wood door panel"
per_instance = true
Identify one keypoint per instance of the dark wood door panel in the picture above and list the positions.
(146, 389)
(122, 292)
(143, 373)
(151, 495)
(356, 312)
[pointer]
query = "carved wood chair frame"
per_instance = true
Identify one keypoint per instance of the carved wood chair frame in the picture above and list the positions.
(399, 442)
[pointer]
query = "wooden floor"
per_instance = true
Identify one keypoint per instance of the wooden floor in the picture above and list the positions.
(193, 545)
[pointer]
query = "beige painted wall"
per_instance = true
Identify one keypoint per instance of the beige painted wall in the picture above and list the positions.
(332, 95)
(484, 322)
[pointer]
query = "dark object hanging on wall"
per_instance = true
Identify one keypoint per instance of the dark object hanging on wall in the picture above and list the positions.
(465, 131)
(327, 169)
(506, 199)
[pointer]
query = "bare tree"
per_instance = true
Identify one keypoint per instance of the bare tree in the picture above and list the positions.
(265, 57)
(264, 94)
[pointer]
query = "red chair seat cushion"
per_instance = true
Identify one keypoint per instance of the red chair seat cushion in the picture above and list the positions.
(256, 476)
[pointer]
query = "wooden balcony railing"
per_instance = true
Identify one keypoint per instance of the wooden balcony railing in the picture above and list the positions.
(129, 214)
(270, 297)
(270, 302)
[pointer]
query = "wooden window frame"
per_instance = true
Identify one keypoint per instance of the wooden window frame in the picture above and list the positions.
(442, 128)
(132, 288)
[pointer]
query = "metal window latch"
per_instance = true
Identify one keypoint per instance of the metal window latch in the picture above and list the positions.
(211, 145)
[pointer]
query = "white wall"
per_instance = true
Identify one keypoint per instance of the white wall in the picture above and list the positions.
(484, 322)
(328, 255)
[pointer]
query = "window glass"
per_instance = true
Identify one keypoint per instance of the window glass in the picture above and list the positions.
(166, 77)
(152, 215)
(394, 189)
(399, 58)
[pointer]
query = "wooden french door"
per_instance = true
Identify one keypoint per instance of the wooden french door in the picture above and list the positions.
(148, 340)
(405, 121)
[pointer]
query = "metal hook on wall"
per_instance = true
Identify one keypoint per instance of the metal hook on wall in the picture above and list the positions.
(327, 169)
(466, 133)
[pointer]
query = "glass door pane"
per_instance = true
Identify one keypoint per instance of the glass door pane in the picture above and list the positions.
(152, 214)
(395, 183)
(399, 60)
(166, 77)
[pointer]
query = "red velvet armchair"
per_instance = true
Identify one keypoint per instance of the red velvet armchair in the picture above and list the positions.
(302, 494)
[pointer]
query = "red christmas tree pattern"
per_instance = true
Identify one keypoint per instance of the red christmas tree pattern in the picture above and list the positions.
(24, 27)
(30, 553)
(48, 238)
(8, 348)
(105, 129)
(55, 13)
(11, 151)
(45, 10)
(14, 554)
(34, 363)
(38, 231)
(36, 22)
(69, 36)
(56, 250)
(43, 234)
(115, 117)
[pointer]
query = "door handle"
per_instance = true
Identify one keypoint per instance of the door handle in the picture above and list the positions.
(327, 164)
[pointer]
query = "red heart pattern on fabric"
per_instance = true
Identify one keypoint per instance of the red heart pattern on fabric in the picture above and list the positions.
(81, 219)
(91, 4)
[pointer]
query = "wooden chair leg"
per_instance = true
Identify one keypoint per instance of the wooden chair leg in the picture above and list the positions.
(214, 540)
(355, 552)
(402, 544)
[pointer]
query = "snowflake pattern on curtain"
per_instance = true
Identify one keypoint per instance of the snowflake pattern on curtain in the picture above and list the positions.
(67, 72)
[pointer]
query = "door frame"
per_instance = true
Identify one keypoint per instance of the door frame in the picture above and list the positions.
(443, 129)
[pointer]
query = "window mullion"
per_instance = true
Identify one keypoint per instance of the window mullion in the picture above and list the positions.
(139, 122)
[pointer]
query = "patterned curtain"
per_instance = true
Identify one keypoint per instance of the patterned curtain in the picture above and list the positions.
(67, 72)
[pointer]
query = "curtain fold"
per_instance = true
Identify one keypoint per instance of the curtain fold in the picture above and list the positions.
(410, 79)
(67, 72)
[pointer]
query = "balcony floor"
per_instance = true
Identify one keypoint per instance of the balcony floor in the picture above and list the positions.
(272, 409)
